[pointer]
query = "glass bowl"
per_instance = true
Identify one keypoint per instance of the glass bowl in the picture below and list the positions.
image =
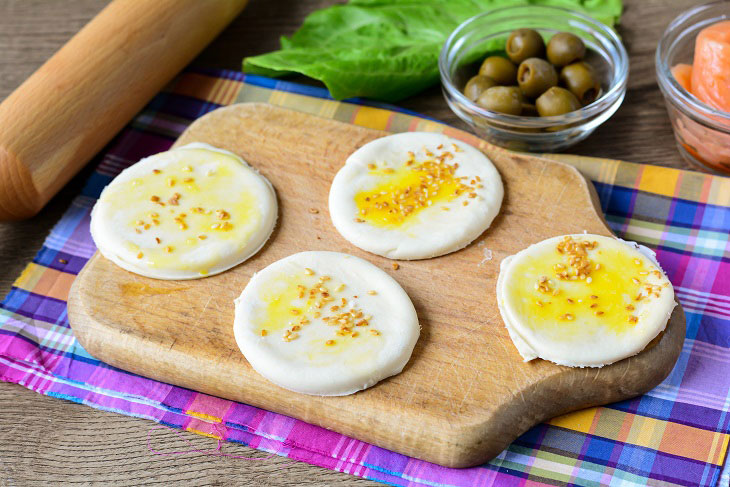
(702, 132)
(487, 33)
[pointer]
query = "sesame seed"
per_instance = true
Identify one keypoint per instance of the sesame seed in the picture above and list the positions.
(465, 203)
(372, 292)
(630, 307)
(187, 168)
(359, 220)
(568, 316)
(633, 319)
(168, 249)
(296, 328)
(329, 342)
(396, 266)
(264, 333)
(340, 288)
(635, 280)
(593, 296)
(354, 334)
(372, 166)
(171, 182)
(156, 171)
(374, 332)
(294, 311)
(599, 313)
(140, 255)
(157, 239)
(63, 261)
(308, 271)
(202, 237)
(313, 211)
(188, 180)
(571, 301)
(594, 305)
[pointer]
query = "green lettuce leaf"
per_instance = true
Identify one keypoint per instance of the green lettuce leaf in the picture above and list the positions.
(387, 49)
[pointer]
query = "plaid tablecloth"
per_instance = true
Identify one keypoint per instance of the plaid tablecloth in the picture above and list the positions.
(677, 434)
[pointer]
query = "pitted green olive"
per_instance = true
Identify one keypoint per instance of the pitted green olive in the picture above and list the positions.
(535, 76)
(565, 48)
(502, 99)
(556, 101)
(580, 79)
(523, 44)
(477, 85)
(499, 69)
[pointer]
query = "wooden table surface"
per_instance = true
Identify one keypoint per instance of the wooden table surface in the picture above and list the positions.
(44, 439)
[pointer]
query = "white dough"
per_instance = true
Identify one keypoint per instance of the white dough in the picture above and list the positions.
(306, 363)
(431, 231)
(223, 213)
(536, 320)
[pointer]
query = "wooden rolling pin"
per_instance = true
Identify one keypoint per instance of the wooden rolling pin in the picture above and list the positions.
(61, 116)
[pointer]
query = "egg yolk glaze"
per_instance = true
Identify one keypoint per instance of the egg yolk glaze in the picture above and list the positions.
(325, 323)
(407, 190)
(186, 211)
(581, 290)
(320, 315)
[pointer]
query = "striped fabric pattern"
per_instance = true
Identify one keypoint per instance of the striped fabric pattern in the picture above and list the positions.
(677, 434)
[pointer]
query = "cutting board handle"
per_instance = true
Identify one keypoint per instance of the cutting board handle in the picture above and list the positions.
(61, 116)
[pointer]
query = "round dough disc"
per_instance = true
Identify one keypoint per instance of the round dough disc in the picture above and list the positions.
(186, 213)
(415, 195)
(325, 323)
(583, 300)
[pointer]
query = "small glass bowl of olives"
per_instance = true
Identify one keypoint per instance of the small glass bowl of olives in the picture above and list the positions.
(533, 78)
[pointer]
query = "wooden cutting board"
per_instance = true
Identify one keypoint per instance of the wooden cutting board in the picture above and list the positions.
(464, 395)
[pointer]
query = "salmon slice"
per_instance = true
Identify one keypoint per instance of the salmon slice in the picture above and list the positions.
(683, 74)
(711, 69)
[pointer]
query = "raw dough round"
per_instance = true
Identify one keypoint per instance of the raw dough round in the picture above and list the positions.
(186, 213)
(415, 195)
(325, 323)
(621, 303)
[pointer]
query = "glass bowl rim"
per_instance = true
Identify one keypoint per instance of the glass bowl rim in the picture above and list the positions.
(613, 94)
(673, 91)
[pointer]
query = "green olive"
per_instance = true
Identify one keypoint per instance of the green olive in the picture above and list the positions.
(523, 44)
(565, 48)
(499, 69)
(476, 85)
(535, 76)
(580, 79)
(502, 99)
(556, 101)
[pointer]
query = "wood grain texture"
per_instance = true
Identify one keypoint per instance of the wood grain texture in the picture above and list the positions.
(73, 105)
(30, 32)
(464, 371)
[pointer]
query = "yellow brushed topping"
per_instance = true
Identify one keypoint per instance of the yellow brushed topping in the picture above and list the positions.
(579, 284)
(406, 191)
(155, 208)
(300, 308)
